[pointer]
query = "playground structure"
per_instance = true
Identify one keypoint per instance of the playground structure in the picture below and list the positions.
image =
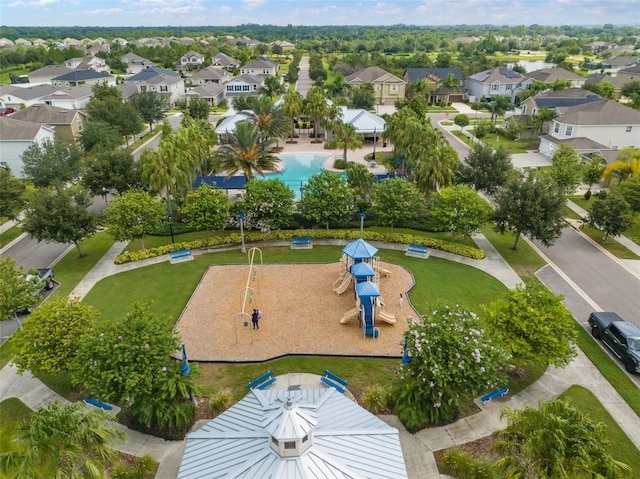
(248, 293)
(362, 268)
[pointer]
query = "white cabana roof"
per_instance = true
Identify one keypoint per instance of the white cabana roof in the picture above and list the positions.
(228, 125)
(364, 121)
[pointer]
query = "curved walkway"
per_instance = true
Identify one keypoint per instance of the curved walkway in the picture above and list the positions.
(417, 448)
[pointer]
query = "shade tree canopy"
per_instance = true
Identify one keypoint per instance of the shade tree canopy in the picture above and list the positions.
(16, 293)
(52, 162)
(485, 169)
(396, 202)
(460, 210)
(205, 208)
(267, 204)
(327, 200)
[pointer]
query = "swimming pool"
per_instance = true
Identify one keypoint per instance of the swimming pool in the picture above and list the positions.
(298, 169)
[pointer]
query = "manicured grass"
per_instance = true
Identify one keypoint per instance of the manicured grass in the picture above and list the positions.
(5, 74)
(441, 109)
(9, 235)
(525, 261)
(611, 245)
(512, 146)
(622, 449)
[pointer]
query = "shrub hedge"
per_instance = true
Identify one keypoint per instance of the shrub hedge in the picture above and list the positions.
(286, 235)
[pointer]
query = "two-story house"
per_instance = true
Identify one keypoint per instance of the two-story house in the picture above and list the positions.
(604, 121)
(66, 123)
(45, 74)
(387, 88)
(22, 96)
(160, 81)
(551, 75)
(496, 81)
(557, 100)
(190, 61)
(15, 137)
(135, 63)
(243, 85)
(260, 66)
(630, 74)
(87, 63)
(73, 98)
(210, 75)
(437, 79)
(222, 60)
(83, 77)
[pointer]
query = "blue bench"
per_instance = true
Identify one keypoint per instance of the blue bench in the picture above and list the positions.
(98, 404)
(418, 251)
(301, 242)
(334, 381)
(181, 255)
(494, 394)
(263, 381)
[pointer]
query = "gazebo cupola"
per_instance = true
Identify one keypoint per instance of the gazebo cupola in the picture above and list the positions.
(290, 429)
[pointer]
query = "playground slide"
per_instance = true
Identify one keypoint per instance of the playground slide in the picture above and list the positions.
(381, 270)
(368, 319)
(386, 317)
(351, 314)
(344, 285)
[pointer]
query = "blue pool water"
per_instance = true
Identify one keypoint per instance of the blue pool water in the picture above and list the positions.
(298, 169)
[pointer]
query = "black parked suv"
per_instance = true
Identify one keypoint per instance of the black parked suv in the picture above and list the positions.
(621, 337)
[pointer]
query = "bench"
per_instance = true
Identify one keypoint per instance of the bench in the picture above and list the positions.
(301, 242)
(494, 394)
(418, 251)
(262, 382)
(334, 381)
(181, 255)
(98, 404)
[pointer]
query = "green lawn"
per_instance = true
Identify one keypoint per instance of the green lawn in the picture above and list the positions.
(525, 261)
(9, 235)
(512, 146)
(622, 449)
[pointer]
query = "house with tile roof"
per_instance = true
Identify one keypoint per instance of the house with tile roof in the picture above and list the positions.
(551, 75)
(223, 60)
(387, 88)
(66, 123)
(15, 137)
(275, 434)
(435, 77)
(46, 73)
(163, 82)
(83, 77)
(496, 81)
(558, 100)
(604, 121)
(210, 75)
(260, 66)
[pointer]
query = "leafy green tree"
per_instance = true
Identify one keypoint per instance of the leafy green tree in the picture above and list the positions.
(315, 105)
(485, 169)
(267, 204)
(611, 215)
(461, 120)
(498, 106)
(151, 106)
(607, 90)
(247, 151)
(205, 208)
(632, 91)
(61, 217)
(630, 191)
(460, 210)
(109, 169)
(555, 440)
(592, 173)
(327, 199)
(100, 134)
(363, 97)
(69, 439)
(272, 87)
(11, 194)
(107, 106)
(132, 215)
(292, 107)
(396, 202)
(48, 342)
(52, 162)
(566, 168)
(530, 205)
(16, 293)
(121, 361)
(196, 107)
(360, 179)
(346, 138)
(533, 325)
(453, 361)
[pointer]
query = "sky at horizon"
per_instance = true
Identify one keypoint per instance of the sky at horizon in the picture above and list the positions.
(160, 13)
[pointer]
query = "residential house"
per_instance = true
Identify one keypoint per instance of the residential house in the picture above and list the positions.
(39, 42)
(160, 81)
(604, 121)
(190, 61)
(17, 97)
(119, 41)
(72, 98)
(223, 60)
(212, 92)
(101, 48)
(186, 41)
(551, 75)
(67, 124)
(83, 77)
(285, 45)
(367, 124)
(210, 75)
(260, 66)
(597, 47)
(6, 43)
(135, 63)
(435, 76)
(15, 137)
(598, 78)
(245, 41)
(630, 74)
(72, 42)
(87, 63)
(612, 65)
(21, 42)
(278, 433)
(387, 88)
(46, 74)
(243, 85)
(496, 81)
(558, 100)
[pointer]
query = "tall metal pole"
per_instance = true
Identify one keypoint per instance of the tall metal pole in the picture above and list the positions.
(241, 218)
(361, 222)
(171, 228)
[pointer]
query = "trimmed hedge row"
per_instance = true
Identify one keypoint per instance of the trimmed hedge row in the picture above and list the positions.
(286, 235)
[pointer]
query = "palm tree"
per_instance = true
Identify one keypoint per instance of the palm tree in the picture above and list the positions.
(435, 167)
(272, 87)
(163, 169)
(498, 106)
(316, 106)
(337, 87)
(247, 151)
(360, 179)
(69, 439)
(420, 88)
(544, 116)
(451, 83)
(627, 164)
(293, 105)
(331, 119)
(269, 120)
(347, 138)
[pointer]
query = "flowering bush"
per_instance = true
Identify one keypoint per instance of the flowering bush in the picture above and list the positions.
(453, 361)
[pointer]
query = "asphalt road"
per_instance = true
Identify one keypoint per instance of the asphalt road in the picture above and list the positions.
(304, 83)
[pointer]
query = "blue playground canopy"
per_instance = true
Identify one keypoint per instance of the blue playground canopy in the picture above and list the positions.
(362, 270)
(360, 249)
(367, 289)
(233, 183)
